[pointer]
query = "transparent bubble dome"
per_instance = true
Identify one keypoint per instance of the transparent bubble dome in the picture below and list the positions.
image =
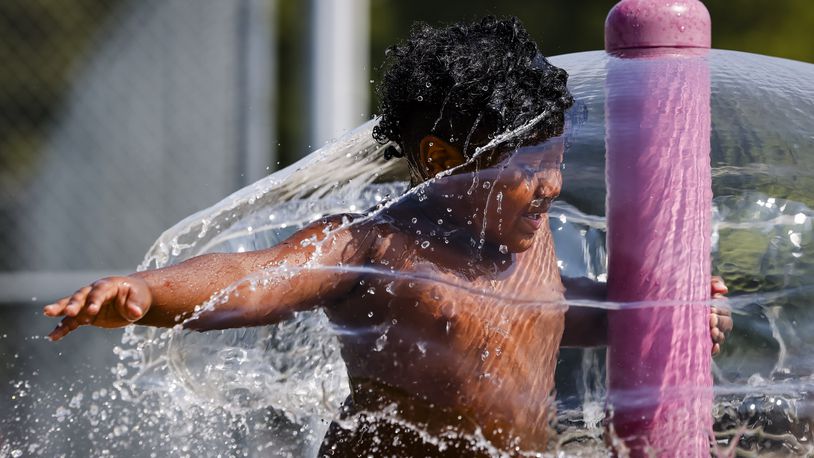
(762, 153)
(762, 158)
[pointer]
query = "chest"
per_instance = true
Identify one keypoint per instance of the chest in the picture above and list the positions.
(434, 293)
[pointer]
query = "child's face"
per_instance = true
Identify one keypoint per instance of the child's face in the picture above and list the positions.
(506, 202)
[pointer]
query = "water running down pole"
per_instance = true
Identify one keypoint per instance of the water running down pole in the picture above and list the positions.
(659, 211)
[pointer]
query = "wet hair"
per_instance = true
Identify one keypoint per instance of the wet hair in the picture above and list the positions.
(480, 78)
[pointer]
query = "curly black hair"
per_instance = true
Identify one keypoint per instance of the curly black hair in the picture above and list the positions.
(449, 81)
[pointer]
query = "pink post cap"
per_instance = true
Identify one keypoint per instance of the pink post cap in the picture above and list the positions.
(633, 24)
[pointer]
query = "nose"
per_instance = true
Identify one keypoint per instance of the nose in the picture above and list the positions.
(549, 184)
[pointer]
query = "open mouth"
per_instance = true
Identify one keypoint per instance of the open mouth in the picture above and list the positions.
(534, 215)
(533, 218)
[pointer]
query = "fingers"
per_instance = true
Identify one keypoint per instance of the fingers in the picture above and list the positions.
(89, 299)
(718, 287)
(134, 312)
(69, 306)
(70, 323)
(717, 335)
(725, 324)
(722, 310)
(57, 308)
(67, 325)
(102, 292)
(82, 307)
(77, 302)
(128, 305)
(720, 324)
(720, 318)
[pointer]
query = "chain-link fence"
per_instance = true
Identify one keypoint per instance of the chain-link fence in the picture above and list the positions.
(118, 118)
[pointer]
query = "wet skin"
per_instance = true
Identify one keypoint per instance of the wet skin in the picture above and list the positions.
(471, 328)
(472, 331)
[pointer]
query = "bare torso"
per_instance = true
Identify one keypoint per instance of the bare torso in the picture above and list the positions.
(450, 338)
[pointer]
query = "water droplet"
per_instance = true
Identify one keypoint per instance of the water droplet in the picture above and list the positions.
(380, 342)
(390, 288)
(371, 291)
(449, 210)
(370, 314)
(62, 413)
(503, 249)
(422, 347)
(414, 220)
(420, 98)
(440, 221)
(484, 355)
(76, 401)
(425, 244)
(428, 84)
(486, 185)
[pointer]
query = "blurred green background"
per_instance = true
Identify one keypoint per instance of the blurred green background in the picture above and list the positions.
(44, 39)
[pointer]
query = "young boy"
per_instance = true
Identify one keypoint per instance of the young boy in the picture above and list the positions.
(451, 294)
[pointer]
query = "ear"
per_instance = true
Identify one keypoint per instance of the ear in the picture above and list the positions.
(436, 155)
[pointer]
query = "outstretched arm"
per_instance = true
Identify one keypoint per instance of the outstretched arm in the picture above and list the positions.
(588, 327)
(246, 289)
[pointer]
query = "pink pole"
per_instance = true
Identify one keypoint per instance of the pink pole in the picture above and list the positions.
(659, 210)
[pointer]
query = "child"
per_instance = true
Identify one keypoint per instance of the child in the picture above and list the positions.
(458, 278)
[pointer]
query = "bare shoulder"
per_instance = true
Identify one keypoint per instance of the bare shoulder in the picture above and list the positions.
(349, 236)
(361, 239)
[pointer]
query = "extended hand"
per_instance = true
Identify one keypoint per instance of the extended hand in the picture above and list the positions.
(111, 302)
(720, 319)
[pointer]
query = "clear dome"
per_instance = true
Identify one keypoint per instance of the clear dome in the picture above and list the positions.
(762, 158)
